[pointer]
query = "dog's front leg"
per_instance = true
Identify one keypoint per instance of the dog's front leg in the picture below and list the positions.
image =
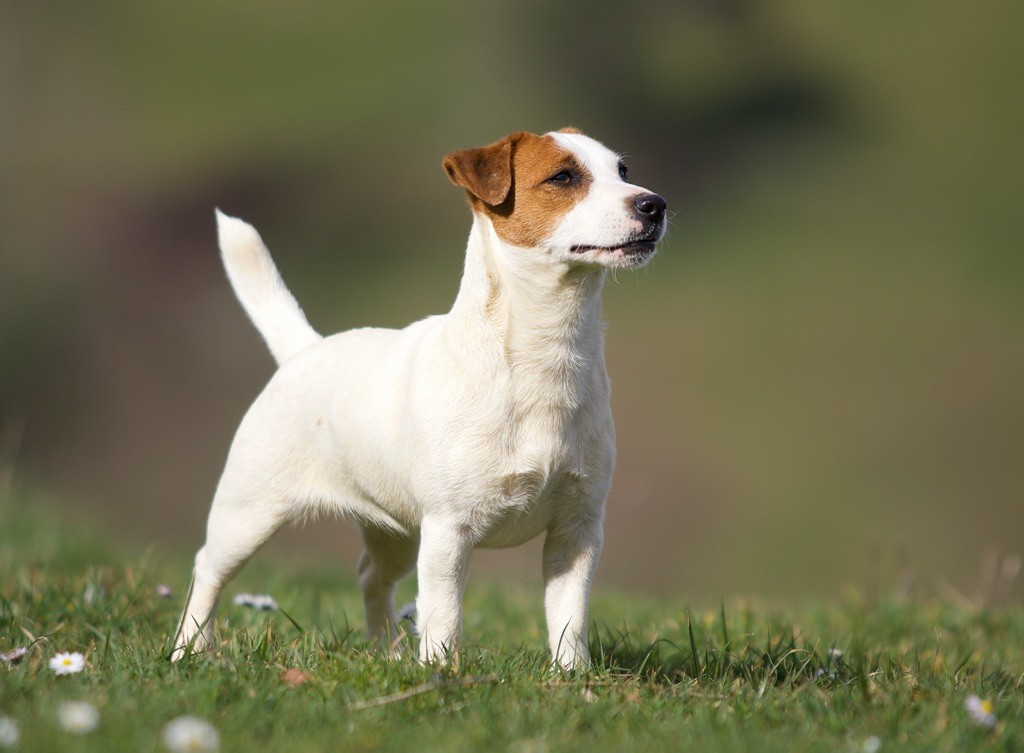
(570, 558)
(441, 570)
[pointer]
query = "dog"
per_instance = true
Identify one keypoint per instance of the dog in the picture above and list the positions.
(483, 427)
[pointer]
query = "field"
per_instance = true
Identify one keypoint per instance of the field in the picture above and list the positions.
(817, 382)
(667, 675)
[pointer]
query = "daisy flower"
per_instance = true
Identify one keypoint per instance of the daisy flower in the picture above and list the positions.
(67, 663)
(164, 591)
(408, 612)
(871, 744)
(15, 655)
(980, 711)
(9, 732)
(190, 734)
(78, 717)
(262, 602)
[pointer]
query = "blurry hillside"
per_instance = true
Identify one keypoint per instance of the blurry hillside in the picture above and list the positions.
(828, 352)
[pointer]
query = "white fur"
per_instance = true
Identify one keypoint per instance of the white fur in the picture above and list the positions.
(483, 427)
(261, 290)
(590, 222)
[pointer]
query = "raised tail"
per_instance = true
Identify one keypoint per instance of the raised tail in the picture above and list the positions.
(262, 292)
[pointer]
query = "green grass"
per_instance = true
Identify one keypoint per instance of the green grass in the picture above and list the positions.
(738, 676)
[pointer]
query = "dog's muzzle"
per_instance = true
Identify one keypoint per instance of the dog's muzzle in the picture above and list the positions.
(649, 210)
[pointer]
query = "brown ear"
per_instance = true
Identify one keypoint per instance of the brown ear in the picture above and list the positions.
(485, 172)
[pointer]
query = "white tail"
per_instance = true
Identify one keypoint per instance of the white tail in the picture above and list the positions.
(262, 292)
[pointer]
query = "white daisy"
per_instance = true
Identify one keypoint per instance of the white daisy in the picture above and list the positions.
(9, 732)
(15, 655)
(78, 717)
(67, 663)
(164, 591)
(92, 593)
(408, 612)
(256, 601)
(980, 711)
(190, 734)
(871, 744)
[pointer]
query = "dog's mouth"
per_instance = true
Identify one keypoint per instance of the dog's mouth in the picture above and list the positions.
(637, 249)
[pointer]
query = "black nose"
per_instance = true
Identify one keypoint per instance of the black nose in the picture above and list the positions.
(651, 206)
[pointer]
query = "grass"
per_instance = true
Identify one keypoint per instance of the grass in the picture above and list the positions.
(737, 676)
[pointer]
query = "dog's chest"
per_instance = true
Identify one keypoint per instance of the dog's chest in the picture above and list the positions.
(522, 504)
(543, 470)
(546, 443)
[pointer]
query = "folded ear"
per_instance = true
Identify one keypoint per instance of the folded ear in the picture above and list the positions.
(485, 172)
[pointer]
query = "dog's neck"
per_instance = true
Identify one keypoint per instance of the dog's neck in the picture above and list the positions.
(546, 316)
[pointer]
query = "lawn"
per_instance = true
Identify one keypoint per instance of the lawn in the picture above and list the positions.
(667, 675)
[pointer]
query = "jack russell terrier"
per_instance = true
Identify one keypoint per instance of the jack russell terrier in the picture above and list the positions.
(483, 427)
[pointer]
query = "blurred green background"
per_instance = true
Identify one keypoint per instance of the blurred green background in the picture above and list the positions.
(818, 381)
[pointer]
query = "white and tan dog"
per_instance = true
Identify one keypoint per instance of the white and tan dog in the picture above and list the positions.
(483, 427)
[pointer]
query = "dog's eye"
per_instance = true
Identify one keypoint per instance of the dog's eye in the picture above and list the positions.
(563, 178)
(623, 171)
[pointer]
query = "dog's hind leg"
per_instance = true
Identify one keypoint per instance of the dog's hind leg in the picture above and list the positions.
(388, 558)
(240, 522)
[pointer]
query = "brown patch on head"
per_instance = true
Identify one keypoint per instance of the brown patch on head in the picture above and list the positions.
(513, 182)
(570, 129)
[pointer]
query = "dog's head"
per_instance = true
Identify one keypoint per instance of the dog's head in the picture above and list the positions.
(564, 194)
